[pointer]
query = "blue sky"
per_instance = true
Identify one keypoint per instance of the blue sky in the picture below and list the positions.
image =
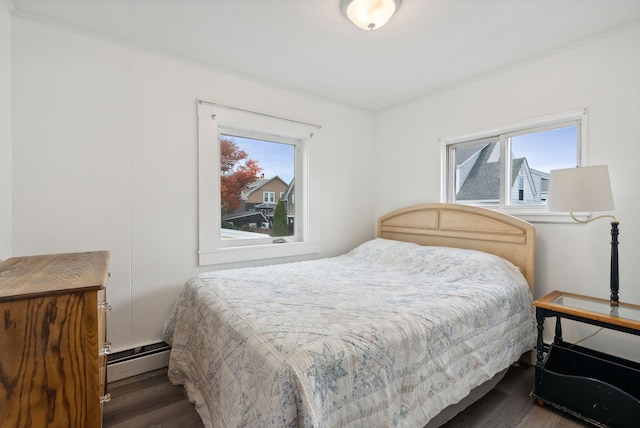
(274, 158)
(560, 143)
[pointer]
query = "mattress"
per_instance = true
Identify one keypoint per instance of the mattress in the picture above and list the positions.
(388, 334)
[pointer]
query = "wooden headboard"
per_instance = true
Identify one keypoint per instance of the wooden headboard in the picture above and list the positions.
(463, 226)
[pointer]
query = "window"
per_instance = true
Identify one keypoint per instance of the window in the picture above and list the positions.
(508, 168)
(252, 170)
(269, 197)
(520, 188)
(245, 159)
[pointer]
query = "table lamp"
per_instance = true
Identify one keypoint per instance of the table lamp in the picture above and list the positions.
(586, 189)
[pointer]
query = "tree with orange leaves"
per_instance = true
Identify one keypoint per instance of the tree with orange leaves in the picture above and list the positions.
(236, 174)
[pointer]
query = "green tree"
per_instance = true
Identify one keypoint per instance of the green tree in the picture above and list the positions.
(280, 227)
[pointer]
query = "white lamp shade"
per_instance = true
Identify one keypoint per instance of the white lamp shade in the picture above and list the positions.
(584, 189)
(369, 14)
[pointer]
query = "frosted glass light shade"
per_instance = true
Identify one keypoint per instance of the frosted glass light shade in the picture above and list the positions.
(583, 189)
(369, 14)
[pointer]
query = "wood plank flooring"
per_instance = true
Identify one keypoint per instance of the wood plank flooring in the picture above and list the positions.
(149, 400)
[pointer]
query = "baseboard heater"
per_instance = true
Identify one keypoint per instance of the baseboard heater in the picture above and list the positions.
(136, 361)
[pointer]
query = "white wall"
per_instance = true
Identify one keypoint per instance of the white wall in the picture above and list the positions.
(105, 157)
(601, 75)
(5, 132)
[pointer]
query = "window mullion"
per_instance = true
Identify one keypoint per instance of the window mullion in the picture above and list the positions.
(505, 171)
(452, 187)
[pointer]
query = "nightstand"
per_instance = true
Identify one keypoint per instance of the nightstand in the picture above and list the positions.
(600, 388)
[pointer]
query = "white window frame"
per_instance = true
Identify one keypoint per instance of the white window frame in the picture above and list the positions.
(215, 119)
(269, 197)
(502, 134)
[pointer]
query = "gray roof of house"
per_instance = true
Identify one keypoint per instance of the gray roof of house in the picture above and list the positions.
(246, 214)
(290, 188)
(483, 181)
(266, 205)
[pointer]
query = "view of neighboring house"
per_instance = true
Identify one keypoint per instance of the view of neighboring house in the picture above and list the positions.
(540, 181)
(258, 203)
(478, 177)
(263, 195)
(289, 199)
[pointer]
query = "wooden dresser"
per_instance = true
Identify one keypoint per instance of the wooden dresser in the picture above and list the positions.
(53, 347)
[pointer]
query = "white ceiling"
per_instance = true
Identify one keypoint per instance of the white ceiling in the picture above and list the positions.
(309, 46)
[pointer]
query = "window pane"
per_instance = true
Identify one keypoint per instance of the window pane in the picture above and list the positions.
(534, 155)
(477, 172)
(252, 173)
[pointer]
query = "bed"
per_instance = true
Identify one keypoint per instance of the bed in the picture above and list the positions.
(401, 331)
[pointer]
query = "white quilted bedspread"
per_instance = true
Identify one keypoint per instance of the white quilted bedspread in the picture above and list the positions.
(388, 334)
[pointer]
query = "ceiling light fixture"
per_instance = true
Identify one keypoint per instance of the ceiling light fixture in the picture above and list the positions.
(370, 14)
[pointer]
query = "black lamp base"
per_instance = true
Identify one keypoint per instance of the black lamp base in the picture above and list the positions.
(614, 277)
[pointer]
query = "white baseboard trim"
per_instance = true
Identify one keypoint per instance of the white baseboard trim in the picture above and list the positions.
(132, 366)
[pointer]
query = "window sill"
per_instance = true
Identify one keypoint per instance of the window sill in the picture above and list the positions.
(543, 216)
(256, 252)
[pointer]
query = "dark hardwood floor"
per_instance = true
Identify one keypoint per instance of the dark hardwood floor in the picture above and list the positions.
(149, 400)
